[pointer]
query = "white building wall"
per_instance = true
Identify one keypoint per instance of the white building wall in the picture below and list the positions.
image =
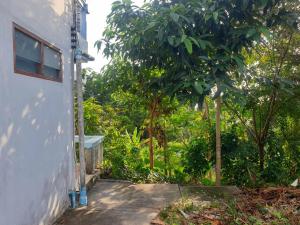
(36, 131)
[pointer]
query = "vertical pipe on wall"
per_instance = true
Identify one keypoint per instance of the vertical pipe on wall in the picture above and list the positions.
(74, 184)
(80, 117)
(83, 196)
(73, 179)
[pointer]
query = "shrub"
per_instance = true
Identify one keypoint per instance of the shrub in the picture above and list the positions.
(196, 163)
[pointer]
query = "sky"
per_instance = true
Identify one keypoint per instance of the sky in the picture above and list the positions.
(96, 22)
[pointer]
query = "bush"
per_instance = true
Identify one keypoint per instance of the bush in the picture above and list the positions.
(278, 162)
(240, 165)
(239, 159)
(196, 163)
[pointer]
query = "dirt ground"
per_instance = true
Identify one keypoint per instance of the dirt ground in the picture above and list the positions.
(249, 206)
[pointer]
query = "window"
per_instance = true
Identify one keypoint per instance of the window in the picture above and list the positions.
(36, 57)
(51, 67)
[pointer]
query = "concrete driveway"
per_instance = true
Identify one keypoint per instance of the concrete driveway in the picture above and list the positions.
(119, 203)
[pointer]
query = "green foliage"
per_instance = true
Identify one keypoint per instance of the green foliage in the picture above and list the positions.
(169, 51)
(189, 158)
(282, 163)
(202, 41)
(92, 117)
(240, 165)
(196, 162)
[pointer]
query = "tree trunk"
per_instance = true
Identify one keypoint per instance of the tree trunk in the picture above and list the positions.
(165, 159)
(152, 109)
(209, 154)
(218, 141)
(151, 152)
(80, 124)
(261, 156)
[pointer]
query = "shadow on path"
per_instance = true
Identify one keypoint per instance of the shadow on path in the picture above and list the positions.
(117, 203)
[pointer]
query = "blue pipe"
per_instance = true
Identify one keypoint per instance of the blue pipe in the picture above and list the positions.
(72, 196)
(83, 197)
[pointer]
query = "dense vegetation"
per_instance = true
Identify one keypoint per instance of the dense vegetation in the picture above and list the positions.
(171, 63)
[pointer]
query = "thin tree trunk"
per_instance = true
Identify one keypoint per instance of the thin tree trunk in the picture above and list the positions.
(209, 154)
(166, 163)
(207, 112)
(261, 156)
(218, 141)
(151, 152)
(166, 160)
(80, 124)
(152, 109)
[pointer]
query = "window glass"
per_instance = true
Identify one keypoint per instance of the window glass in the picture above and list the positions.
(34, 56)
(52, 62)
(28, 52)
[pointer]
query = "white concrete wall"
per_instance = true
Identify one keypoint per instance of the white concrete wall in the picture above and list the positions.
(36, 158)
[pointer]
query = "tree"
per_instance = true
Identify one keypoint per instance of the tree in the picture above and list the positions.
(195, 44)
(135, 96)
(117, 86)
(270, 82)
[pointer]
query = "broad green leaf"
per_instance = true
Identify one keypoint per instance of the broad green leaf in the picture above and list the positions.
(215, 15)
(185, 18)
(203, 57)
(198, 87)
(150, 25)
(160, 34)
(174, 17)
(137, 40)
(263, 3)
(183, 37)
(116, 5)
(207, 17)
(188, 45)
(239, 61)
(194, 41)
(250, 33)
(98, 45)
(127, 2)
(202, 44)
(178, 41)
(171, 40)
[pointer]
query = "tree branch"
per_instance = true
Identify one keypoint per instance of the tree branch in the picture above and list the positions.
(249, 129)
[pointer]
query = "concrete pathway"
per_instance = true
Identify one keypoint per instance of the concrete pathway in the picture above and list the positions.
(118, 203)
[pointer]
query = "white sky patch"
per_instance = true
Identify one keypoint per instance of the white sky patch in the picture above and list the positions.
(96, 23)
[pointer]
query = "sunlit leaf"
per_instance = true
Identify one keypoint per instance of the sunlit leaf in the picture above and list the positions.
(188, 45)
